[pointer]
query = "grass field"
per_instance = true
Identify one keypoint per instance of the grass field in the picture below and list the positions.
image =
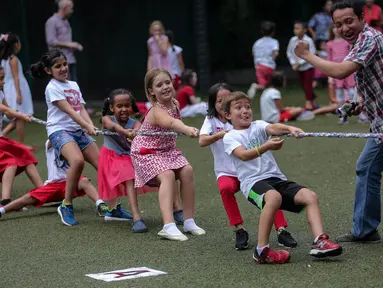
(38, 251)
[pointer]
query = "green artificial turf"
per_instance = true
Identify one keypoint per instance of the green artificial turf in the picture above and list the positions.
(36, 250)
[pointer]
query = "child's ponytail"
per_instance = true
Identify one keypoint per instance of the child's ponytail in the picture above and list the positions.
(37, 70)
(106, 107)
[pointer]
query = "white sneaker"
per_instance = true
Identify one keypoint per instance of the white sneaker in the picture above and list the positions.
(166, 235)
(252, 90)
(196, 232)
(306, 116)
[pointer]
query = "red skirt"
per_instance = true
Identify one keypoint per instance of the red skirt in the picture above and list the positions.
(13, 153)
(113, 172)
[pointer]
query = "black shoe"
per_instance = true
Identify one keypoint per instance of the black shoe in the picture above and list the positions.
(241, 239)
(286, 240)
(373, 237)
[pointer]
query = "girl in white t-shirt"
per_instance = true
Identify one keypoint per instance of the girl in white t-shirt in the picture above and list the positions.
(176, 60)
(14, 157)
(213, 129)
(66, 118)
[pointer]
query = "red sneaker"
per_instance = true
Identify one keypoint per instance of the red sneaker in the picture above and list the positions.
(269, 256)
(325, 248)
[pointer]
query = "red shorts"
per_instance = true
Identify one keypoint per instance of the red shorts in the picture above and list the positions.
(285, 116)
(52, 192)
(263, 74)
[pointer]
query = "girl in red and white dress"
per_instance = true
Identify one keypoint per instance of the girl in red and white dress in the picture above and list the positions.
(156, 158)
(14, 157)
(116, 172)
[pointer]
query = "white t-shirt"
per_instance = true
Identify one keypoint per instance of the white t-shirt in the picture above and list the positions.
(269, 110)
(55, 174)
(252, 171)
(222, 163)
(263, 51)
(1, 114)
(294, 58)
(173, 56)
(57, 119)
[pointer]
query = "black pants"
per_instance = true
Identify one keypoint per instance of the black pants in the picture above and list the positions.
(72, 72)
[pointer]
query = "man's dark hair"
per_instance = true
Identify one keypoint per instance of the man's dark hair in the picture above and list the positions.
(355, 5)
(267, 28)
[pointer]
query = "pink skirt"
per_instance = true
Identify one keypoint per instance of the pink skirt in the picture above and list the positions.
(13, 153)
(113, 172)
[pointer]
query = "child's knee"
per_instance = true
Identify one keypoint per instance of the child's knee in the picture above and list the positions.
(311, 197)
(77, 163)
(83, 183)
(188, 172)
(167, 176)
(273, 198)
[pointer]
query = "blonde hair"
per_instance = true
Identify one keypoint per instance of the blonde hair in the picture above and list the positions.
(159, 23)
(235, 96)
(150, 76)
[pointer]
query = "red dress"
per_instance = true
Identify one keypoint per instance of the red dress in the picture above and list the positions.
(13, 153)
(152, 155)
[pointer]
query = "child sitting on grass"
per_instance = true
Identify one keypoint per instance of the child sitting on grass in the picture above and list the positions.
(272, 110)
(263, 184)
(54, 188)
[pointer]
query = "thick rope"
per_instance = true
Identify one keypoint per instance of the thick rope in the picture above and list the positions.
(112, 133)
(339, 135)
(303, 135)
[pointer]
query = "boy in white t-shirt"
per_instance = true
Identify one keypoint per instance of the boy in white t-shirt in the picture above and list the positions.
(249, 147)
(54, 189)
(213, 130)
(272, 110)
(265, 51)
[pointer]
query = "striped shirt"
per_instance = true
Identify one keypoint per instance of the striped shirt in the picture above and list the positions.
(368, 52)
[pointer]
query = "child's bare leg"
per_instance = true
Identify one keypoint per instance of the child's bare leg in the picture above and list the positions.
(273, 201)
(88, 188)
(20, 203)
(186, 177)
(34, 175)
(112, 204)
(91, 154)
(296, 111)
(7, 182)
(132, 197)
(326, 109)
(20, 130)
(176, 199)
(310, 199)
(9, 128)
(73, 155)
(165, 195)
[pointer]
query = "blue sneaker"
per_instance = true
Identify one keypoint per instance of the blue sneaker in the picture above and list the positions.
(66, 214)
(118, 214)
(178, 217)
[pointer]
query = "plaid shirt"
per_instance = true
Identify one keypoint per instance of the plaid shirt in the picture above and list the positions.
(368, 52)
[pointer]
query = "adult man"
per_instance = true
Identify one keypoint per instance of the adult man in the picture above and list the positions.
(58, 35)
(366, 61)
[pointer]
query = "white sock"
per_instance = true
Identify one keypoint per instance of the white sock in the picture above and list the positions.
(172, 229)
(189, 225)
(99, 201)
(2, 210)
(260, 250)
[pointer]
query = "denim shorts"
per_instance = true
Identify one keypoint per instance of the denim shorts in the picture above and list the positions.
(60, 138)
